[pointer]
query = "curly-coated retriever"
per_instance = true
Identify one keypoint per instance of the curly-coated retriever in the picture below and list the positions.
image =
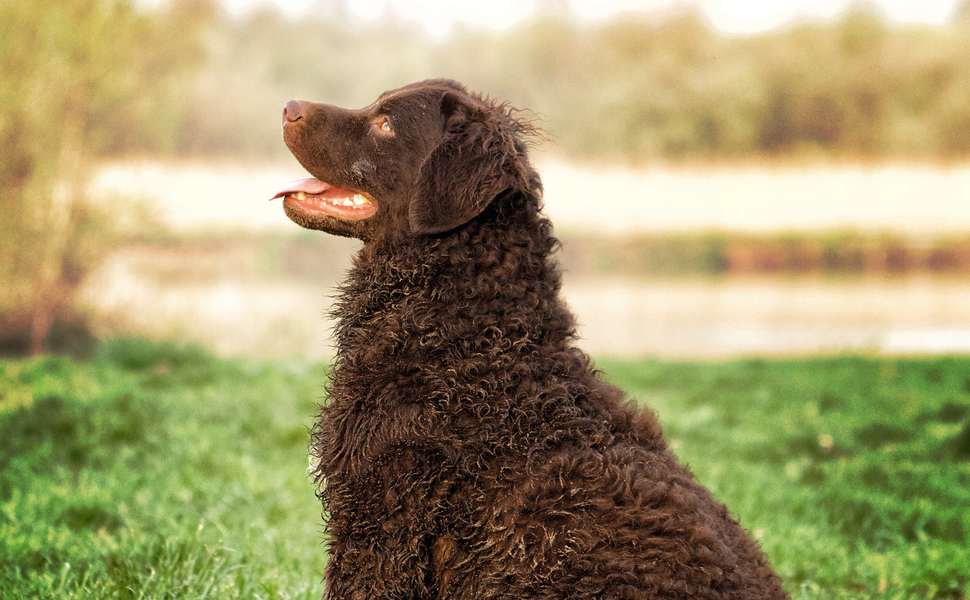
(469, 449)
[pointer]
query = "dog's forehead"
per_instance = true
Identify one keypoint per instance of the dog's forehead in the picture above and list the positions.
(410, 97)
(434, 85)
(420, 96)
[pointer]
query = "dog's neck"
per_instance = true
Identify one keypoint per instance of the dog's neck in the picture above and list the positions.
(433, 331)
(457, 334)
(496, 272)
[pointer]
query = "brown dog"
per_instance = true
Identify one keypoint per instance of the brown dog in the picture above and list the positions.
(469, 449)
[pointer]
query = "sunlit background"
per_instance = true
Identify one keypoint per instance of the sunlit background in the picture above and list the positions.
(730, 180)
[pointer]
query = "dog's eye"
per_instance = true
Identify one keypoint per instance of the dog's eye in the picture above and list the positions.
(384, 124)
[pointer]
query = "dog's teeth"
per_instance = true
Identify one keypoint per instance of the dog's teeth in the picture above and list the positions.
(358, 199)
(347, 202)
(300, 196)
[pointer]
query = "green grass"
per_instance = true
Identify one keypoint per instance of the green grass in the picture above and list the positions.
(157, 471)
(154, 470)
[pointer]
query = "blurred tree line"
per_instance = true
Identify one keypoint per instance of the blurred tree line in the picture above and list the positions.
(78, 78)
(634, 88)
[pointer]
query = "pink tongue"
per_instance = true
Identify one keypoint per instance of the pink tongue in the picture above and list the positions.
(309, 185)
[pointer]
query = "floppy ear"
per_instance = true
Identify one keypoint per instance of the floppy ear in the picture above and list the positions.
(474, 163)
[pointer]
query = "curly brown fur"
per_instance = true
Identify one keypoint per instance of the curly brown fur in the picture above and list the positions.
(469, 450)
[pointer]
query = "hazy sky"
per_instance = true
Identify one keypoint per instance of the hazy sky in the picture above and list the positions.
(733, 16)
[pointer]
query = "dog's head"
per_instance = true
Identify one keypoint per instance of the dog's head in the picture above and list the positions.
(420, 160)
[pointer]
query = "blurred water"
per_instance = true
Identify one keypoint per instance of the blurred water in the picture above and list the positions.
(238, 307)
(236, 313)
(721, 317)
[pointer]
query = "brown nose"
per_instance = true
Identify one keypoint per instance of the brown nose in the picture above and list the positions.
(293, 111)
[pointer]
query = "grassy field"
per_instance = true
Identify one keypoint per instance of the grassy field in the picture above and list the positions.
(153, 470)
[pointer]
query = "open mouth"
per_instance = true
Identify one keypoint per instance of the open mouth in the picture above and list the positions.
(319, 198)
